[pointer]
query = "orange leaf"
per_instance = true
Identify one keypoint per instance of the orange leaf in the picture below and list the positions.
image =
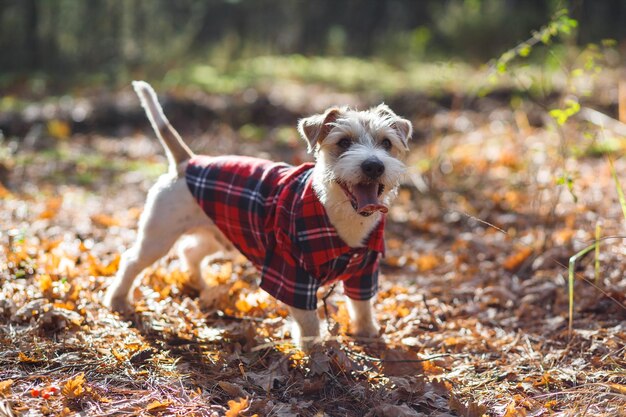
(236, 407)
(513, 411)
(427, 262)
(243, 306)
(22, 357)
(4, 193)
(66, 305)
(74, 387)
(5, 386)
(45, 283)
(515, 260)
(618, 388)
(52, 208)
(104, 220)
(563, 236)
(158, 405)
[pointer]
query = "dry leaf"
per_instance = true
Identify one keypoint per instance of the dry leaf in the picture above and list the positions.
(618, 388)
(53, 205)
(236, 407)
(427, 262)
(104, 220)
(74, 387)
(515, 260)
(389, 410)
(243, 306)
(158, 405)
(5, 386)
(4, 193)
(233, 390)
(22, 357)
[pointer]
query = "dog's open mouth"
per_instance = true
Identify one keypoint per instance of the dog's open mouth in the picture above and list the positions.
(364, 197)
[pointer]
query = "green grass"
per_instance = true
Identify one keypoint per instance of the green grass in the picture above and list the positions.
(346, 74)
(87, 169)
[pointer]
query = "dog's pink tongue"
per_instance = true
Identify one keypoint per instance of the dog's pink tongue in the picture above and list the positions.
(367, 199)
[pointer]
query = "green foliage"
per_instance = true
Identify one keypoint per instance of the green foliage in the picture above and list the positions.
(340, 73)
(567, 180)
(560, 26)
(562, 115)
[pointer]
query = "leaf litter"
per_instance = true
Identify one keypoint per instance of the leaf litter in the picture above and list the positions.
(473, 301)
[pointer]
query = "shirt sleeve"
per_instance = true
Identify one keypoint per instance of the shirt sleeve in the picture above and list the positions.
(363, 284)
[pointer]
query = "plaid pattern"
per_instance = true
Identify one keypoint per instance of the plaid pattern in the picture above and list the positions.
(271, 214)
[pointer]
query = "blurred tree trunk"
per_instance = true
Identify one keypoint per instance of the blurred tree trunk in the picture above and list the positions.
(31, 39)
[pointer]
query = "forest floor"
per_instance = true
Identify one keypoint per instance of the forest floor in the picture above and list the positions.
(474, 288)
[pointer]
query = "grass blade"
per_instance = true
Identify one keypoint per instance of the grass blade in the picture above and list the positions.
(597, 256)
(620, 192)
(570, 281)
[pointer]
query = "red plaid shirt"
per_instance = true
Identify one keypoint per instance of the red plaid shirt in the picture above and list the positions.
(271, 214)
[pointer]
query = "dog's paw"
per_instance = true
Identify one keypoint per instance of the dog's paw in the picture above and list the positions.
(211, 296)
(368, 330)
(309, 344)
(117, 303)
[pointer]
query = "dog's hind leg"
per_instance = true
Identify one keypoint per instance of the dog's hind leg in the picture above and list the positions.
(169, 213)
(194, 248)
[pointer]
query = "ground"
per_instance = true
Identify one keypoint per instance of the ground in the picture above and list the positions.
(474, 300)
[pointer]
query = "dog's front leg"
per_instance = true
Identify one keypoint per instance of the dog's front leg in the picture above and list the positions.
(307, 329)
(362, 318)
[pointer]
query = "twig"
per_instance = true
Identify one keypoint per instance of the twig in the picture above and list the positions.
(378, 360)
(435, 321)
(324, 298)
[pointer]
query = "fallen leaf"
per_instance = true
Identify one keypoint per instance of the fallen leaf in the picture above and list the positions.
(235, 407)
(515, 260)
(319, 362)
(243, 306)
(52, 208)
(4, 193)
(390, 410)
(233, 390)
(22, 357)
(618, 388)
(427, 262)
(158, 405)
(5, 386)
(74, 387)
(104, 220)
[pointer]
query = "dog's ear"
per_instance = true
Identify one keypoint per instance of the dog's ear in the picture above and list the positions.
(314, 129)
(402, 126)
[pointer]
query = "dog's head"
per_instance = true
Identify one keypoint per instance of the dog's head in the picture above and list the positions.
(360, 153)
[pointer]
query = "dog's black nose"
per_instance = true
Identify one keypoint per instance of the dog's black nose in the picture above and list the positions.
(373, 168)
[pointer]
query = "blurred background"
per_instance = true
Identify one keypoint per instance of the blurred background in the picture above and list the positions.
(56, 43)
(117, 39)
(235, 75)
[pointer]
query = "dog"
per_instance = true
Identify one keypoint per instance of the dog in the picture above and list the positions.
(302, 227)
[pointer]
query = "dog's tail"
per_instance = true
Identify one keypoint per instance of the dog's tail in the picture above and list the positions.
(177, 151)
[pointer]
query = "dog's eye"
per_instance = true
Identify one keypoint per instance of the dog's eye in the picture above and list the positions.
(344, 143)
(386, 144)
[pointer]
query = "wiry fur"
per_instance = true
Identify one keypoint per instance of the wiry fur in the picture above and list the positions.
(171, 211)
(367, 129)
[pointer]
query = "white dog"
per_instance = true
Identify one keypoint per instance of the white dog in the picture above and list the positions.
(302, 227)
